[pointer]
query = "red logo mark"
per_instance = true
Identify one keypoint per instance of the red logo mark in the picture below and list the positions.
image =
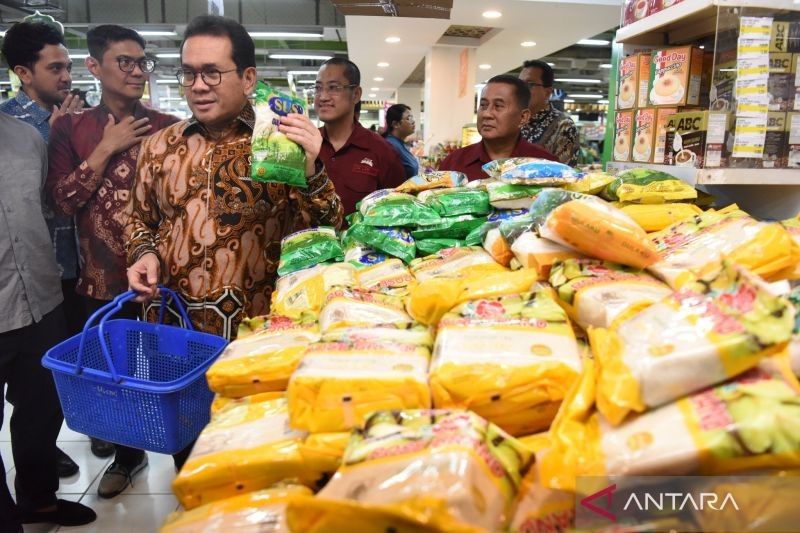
(608, 492)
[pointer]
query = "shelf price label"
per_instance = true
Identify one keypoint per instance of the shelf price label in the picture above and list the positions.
(749, 137)
(756, 28)
(752, 49)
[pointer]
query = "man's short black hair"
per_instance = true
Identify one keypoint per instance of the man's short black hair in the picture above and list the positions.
(547, 71)
(24, 41)
(351, 71)
(244, 50)
(521, 90)
(99, 38)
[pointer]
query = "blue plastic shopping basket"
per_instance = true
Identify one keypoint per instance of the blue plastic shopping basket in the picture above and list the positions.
(136, 383)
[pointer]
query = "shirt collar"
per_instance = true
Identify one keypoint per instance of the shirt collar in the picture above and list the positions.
(478, 151)
(360, 136)
(28, 105)
(246, 117)
(543, 113)
(139, 110)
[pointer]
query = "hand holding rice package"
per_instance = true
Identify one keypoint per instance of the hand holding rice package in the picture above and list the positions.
(419, 471)
(596, 293)
(387, 208)
(309, 247)
(593, 227)
(509, 359)
(441, 179)
(531, 171)
(300, 295)
(456, 201)
(709, 331)
(276, 159)
(645, 186)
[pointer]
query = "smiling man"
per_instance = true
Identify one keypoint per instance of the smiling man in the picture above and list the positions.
(502, 111)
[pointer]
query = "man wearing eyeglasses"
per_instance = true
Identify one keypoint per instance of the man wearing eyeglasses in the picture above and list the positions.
(92, 163)
(358, 161)
(549, 127)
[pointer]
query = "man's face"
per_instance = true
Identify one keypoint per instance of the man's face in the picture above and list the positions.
(50, 78)
(540, 96)
(333, 97)
(115, 81)
(499, 114)
(215, 105)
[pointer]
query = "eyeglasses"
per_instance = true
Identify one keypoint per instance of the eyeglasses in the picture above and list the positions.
(128, 64)
(333, 89)
(533, 84)
(211, 77)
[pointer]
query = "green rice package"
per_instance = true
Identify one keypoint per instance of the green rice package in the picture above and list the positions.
(307, 248)
(476, 236)
(450, 228)
(396, 242)
(511, 196)
(646, 186)
(456, 201)
(385, 207)
(276, 159)
(361, 255)
(433, 180)
(431, 246)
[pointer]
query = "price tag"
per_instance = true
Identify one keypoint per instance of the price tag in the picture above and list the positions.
(752, 49)
(757, 28)
(749, 137)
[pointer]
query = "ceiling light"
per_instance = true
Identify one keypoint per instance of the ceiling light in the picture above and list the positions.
(148, 33)
(300, 56)
(377, 79)
(594, 42)
(174, 55)
(283, 34)
(374, 88)
(167, 81)
(3, 34)
(492, 14)
(307, 82)
(569, 101)
(78, 56)
(605, 65)
(552, 64)
(588, 96)
(84, 82)
(702, 47)
(364, 111)
(302, 72)
(578, 80)
(383, 64)
(484, 66)
(603, 101)
(372, 95)
(393, 40)
(527, 44)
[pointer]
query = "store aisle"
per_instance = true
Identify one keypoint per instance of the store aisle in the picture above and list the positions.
(140, 509)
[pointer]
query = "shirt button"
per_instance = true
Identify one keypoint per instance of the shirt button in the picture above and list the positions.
(16, 239)
(22, 268)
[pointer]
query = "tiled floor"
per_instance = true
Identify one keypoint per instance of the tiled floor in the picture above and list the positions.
(140, 509)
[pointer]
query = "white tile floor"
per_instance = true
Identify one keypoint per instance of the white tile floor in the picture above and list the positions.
(140, 509)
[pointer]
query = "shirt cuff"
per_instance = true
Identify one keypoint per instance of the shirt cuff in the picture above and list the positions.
(317, 182)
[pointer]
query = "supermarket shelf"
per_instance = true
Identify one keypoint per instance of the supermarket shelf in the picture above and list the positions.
(689, 21)
(720, 176)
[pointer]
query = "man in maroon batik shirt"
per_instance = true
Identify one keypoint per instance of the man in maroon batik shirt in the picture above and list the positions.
(502, 112)
(92, 164)
(358, 161)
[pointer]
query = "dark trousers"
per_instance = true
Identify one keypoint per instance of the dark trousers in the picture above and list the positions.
(124, 454)
(36, 417)
(74, 307)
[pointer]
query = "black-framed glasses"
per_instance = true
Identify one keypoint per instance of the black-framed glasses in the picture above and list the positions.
(532, 84)
(211, 76)
(332, 88)
(128, 64)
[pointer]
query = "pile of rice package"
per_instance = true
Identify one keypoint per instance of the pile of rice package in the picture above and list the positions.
(301, 294)
(419, 471)
(361, 308)
(509, 359)
(531, 171)
(307, 248)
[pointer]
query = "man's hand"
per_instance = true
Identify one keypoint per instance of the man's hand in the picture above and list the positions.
(301, 130)
(71, 104)
(120, 137)
(143, 277)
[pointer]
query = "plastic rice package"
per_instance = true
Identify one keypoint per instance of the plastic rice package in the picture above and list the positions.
(276, 158)
(396, 242)
(531, 251)
(591, 183)
(793, 227)
(390, 277)
(596, 293)
(419, 471)
(510, 196)
(497, 246)
(709, 331)
(450, 228)
(362, 256)
(427, 247)
(387, 208)
(747, 423)
(323, 452)
(434, 297)
(346, 308)
(451, 262)
(307, 248)
(300, 295)
(509, 359)
(593, 227)
(339, 383)
(645, 186)
(475, 236)
(456, 201)
(655, 217)
(415, 334)
(244, 448)
(531, 171)
(262, 362)
(246, 513)
(685, 248)
(440, 179)
(221, 403)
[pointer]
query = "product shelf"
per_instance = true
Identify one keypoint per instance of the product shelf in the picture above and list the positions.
(719, 176)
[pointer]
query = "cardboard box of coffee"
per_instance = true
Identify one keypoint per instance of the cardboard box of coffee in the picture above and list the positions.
(793, 134)
(660, 5)
(644, 135)
(724, 82)
(662, 119)
(676, 76)
(628, 86)
(624, 133)
(687, 139)
(634, 10)
(705, 79)
(796, 71)
(781, 89)
(785, 37)
(644, 66)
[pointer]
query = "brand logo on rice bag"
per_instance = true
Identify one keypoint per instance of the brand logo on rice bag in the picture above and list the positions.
(282, 105)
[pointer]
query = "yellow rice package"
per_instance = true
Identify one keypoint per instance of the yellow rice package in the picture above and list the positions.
(323, 452)
(345, 308)
(416, 334)
(261, 362)
(222, 403)
(685, 248)
(254, 512)
(747, 423)
(426, 181)
(432, 298)
(410, 471)
(646, 186)
(531, 251)
(595, 293)
(591, 183)
(656, 217)
(303, 292)
(706, 333)
(509, 359)
(793, 227)
(245, 448)
(452, 262)
(339, 383)
(390, 276)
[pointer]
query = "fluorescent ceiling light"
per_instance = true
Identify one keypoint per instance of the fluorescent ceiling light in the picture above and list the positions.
(603, 101)
(579, 80)
(492, 14)
(372, 95)
(587, 96)
(702, 47)
(552, 64)
(283, 34)
(170, 55)
(377, 79)
(78, 56)
(84, 82)
(166, 81)
(383, 64)
(392, 40)
(302, 72)
(569, 101)
(308, 82)
(299, 56)
(148, 33)
(527, 44)
(364, 111)
(374, 88)
(484, 66)
(594, 42)
(605, 65)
